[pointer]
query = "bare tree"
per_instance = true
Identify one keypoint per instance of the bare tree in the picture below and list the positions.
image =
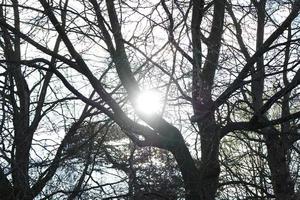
(232, 65)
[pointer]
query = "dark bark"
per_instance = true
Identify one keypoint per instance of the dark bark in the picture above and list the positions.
(238, 82)
(22, 133)
(189, 172)
(277, 146)
(202, 102)
(282, 182)
(201, 182)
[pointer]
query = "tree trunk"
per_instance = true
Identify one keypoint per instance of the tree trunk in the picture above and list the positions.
(210, 167)
(282, 182)
(189, 172)
(200, 183)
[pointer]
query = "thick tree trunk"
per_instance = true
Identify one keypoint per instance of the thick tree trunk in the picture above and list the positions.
(276, 145)
(210, 167)
(203, 80)
(189, 172)
(282, 182)
(202, 183)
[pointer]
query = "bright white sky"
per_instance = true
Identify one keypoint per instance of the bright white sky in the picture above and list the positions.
(149, 102)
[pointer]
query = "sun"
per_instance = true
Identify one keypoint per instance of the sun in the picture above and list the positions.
(149, 102)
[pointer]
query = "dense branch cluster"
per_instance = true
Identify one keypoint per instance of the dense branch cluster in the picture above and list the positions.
(71, 72)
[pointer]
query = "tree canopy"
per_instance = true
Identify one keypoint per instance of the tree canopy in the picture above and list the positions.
(219, 118)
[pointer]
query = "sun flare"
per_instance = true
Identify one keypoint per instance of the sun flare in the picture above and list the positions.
(149, 102)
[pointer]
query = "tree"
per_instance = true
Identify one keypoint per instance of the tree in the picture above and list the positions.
(232, 66)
